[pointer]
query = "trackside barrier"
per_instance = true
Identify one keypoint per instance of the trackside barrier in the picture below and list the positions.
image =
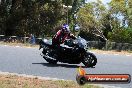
(18, 39)
(110, 45)
(92, 44)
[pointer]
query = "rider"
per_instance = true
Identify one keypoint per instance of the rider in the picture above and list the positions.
(62, 35)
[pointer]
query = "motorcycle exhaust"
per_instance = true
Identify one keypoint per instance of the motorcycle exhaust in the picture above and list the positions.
(48, 57)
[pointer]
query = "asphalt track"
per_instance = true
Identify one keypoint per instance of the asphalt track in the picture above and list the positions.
(15, 59)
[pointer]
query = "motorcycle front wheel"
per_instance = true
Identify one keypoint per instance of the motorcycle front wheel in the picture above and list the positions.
(89, 60)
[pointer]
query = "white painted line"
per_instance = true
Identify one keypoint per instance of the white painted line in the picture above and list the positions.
(28, 47)
(5, 45)
(17, 46)
(116, 54)
(106, 86)
(128, 55)
(91, 52)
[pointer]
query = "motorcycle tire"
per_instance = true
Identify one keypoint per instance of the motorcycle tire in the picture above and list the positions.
(89, 60)
(50, 61)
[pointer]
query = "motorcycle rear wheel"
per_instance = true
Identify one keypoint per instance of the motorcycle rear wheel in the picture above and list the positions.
(50, 61)
(89, 60)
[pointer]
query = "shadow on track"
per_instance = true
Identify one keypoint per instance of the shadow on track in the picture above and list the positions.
(60, 65)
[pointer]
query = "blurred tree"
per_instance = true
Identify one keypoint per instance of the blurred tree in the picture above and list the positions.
(41, 17)
(30, 16)
(4, 12)
(120, 11)
(121, 36)
(90, 18)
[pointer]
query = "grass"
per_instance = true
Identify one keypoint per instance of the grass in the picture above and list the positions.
(14, 81)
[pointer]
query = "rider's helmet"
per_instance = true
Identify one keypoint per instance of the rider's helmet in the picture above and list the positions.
(65, 28)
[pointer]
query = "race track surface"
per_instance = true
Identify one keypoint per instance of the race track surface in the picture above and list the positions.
(28, 61)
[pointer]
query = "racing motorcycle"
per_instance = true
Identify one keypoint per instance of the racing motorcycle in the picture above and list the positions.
(71, 52)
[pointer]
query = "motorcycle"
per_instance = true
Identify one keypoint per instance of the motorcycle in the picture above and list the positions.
(71, 52)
